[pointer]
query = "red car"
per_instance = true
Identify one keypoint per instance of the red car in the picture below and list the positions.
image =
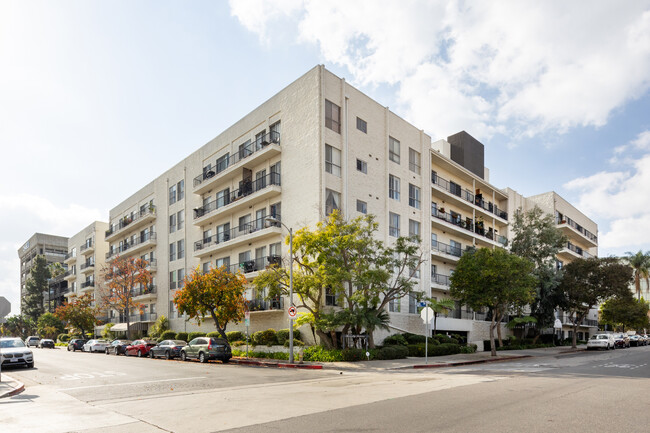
(139, 348)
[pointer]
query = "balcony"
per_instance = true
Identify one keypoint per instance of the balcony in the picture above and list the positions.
(446, 251)
(87, 248)
(141, 242)
(469, 226)
(259, 189)
(256, 230)
(571, 252)
(571, 228)
(70, 274)
(476, 200)
(140, 219)
(257, 305)
(141, 294)
(87, 286)
(440, 281)
(70, 258)
(256, 265)
(152, 265)
(145, 317)
(226, 167)
(568, 320)
(87, 268)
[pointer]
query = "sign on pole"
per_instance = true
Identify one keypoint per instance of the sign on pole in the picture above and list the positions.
(427, 315)
(292, 312)
(247, 319)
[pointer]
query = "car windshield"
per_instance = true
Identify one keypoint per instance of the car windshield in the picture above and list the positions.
(179, 343)
(600, 337)
(5, 344)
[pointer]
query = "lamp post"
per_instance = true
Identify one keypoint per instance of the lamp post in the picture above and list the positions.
(277, 221)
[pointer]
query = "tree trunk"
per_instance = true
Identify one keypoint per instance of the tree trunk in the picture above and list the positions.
(536, 338)
(435, 316)
(498, 326)
(575, 335)
(325, 339)
(371, 339)
(220, 330)
(492, 345)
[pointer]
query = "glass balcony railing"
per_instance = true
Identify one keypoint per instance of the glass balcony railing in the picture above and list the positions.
(129, 245)
(446, 249)
(468, 224)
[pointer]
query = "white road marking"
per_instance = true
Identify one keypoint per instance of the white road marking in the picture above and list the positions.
(130, 383)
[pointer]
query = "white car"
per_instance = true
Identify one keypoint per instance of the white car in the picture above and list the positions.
(96, 345)
(601, 341)
(14, 352)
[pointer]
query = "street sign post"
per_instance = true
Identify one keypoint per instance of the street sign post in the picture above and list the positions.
(292, 312)
(247, 322)
(425, 314)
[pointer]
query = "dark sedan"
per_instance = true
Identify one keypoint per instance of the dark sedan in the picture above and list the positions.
(167, 348)
(117, 347)
(46, 342)
(139, 348)
(76, 344)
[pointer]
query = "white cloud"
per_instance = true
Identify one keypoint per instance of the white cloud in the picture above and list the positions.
(533, 66)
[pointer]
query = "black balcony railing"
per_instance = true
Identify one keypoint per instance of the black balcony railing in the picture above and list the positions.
(145, 317)
(578, 250)
(145, 237)
(85, 246)
(69, 256)
(440, 279)
(446, 249)
(577, 227)
(457, 190)
(242, 230)
(86, 265)
(266, 304)
(468, 224)
(69, 272)
(255, 265)
(246, 188)
(127, 220)
(87, 284)
(145, 290)
(244, 152)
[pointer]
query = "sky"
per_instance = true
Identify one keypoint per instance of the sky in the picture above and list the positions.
(98, 98)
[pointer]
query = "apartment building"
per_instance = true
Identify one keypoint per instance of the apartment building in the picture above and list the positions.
(582, 234)
(85, 260)
(53, 247)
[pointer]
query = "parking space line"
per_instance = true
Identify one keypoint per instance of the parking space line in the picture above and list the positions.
(130, 383)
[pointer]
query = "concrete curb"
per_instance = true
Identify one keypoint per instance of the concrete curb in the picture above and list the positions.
(276, 364)
(16, 390)
(460, 363)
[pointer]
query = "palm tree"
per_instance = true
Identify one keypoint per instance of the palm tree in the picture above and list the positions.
(640, 262)
(438, 307)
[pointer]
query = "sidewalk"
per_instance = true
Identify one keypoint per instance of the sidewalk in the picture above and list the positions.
(10, 386)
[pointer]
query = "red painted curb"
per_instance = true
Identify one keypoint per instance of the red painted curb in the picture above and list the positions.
(16, 391)
(302, 366)
(482, 361)
(278, 364)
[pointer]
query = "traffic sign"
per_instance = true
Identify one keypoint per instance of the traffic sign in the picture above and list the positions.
(292, 311)
(5, 306)
(426, 314)
(422, 304)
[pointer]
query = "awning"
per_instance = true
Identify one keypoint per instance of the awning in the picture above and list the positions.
(135, 326)
(119, 327)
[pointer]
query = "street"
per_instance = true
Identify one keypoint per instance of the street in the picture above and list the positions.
(588, 391)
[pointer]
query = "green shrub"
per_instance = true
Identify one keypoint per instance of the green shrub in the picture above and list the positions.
(416, 349)
(392, 352)
(235, 336)
(468, 349)
(395, 340)
(320, 354)
(444, 349)
(182, 336)
(283, 335)
(215, 334)
(265, 338)
(192, 335)
(238, 343)
(63, 338)
(353, 355)
(414, 338)
(168, 335)
(296, 343)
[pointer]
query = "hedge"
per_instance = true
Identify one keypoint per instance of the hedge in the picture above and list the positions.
(353, 355)
(295, 343)
(192, 335)
(63, 338)
(182, 336)
(320, 354)
(396, 340)
(235, 336)
(168, 335)
(434, 350)
(392, 352)
(265, 338)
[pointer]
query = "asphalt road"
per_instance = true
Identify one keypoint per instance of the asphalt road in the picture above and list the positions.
(593, 391)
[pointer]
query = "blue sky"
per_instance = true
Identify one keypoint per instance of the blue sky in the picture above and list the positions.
(98, 98)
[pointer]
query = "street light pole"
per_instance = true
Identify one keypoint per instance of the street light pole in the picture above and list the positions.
(277, 221)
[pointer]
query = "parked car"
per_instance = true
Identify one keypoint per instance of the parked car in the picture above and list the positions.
(117, 347)
(15, 352)
(46, 342)
(95, 345)
(32, 341)
(622, 340)
(139, 348)
(601, 341)
(168, 348)
(76, 344)
(646, 339)
(206, 348)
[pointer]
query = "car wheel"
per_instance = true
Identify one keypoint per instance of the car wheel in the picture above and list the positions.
(202, 359)
(107, 350)
(225, 360)
(139, 353)
(68, 348)
(168, 355)
(183, 356)
(151, 355)
(30, 365)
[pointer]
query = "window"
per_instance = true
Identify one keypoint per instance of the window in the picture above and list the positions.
(172, 223)
(455, 248)
(180, 189)
(412, 303)
(223, 232)
(172, 280)
(224, 261)
(414, 196)
(332, 160)
(259, 139)
(362, 125)
(260, 179)
(454, 188)
(393, 229)
(414, 161)
(362, 206)
(180, 219)
(276, 210)
(275, 249)
(173, 310)
(172, 252)
(223, 197)
(260, 253)
(362, 166)
(274, 130)
(332, 201)
(393, 187)
(332, 116)
(330, 297)
(260, 219)
(172, 194)
(393, 150)
(245, 149)
(394, 306)
(245, 223)
(434, 241)
(275, 174)
(414, 228)
(206, 267)
(180, 247)
(180, 275)
(434, 177)
(222, 162)
(244, 257)
(207, 236)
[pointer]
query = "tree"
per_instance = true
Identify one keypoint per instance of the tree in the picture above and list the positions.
(161, 325)
(537, 239)
(78, 313)
(18, 326)
(121, 278)
(218, 292)
(344, 260)
(589, 282)
(49, 326)
(625, 312)
(439, 307)
(640, 263)
(35, 286)
(494, 279)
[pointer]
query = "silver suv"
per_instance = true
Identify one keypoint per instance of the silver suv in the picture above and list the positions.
(14, 352)
(32, 341)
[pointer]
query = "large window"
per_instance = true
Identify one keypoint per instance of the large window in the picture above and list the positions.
(172, 252)
(180, 219)
(176, 192)
(393, 149)
(414, 196)
(180, 247)
(362, 207)
(172, 194)
(332, 160)
(393, 229)
(332, 201)
(414, 228)
(393, 187)
(414, 161)
(332, 116)
(362, 166)
(362, 125)
(172, 223)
